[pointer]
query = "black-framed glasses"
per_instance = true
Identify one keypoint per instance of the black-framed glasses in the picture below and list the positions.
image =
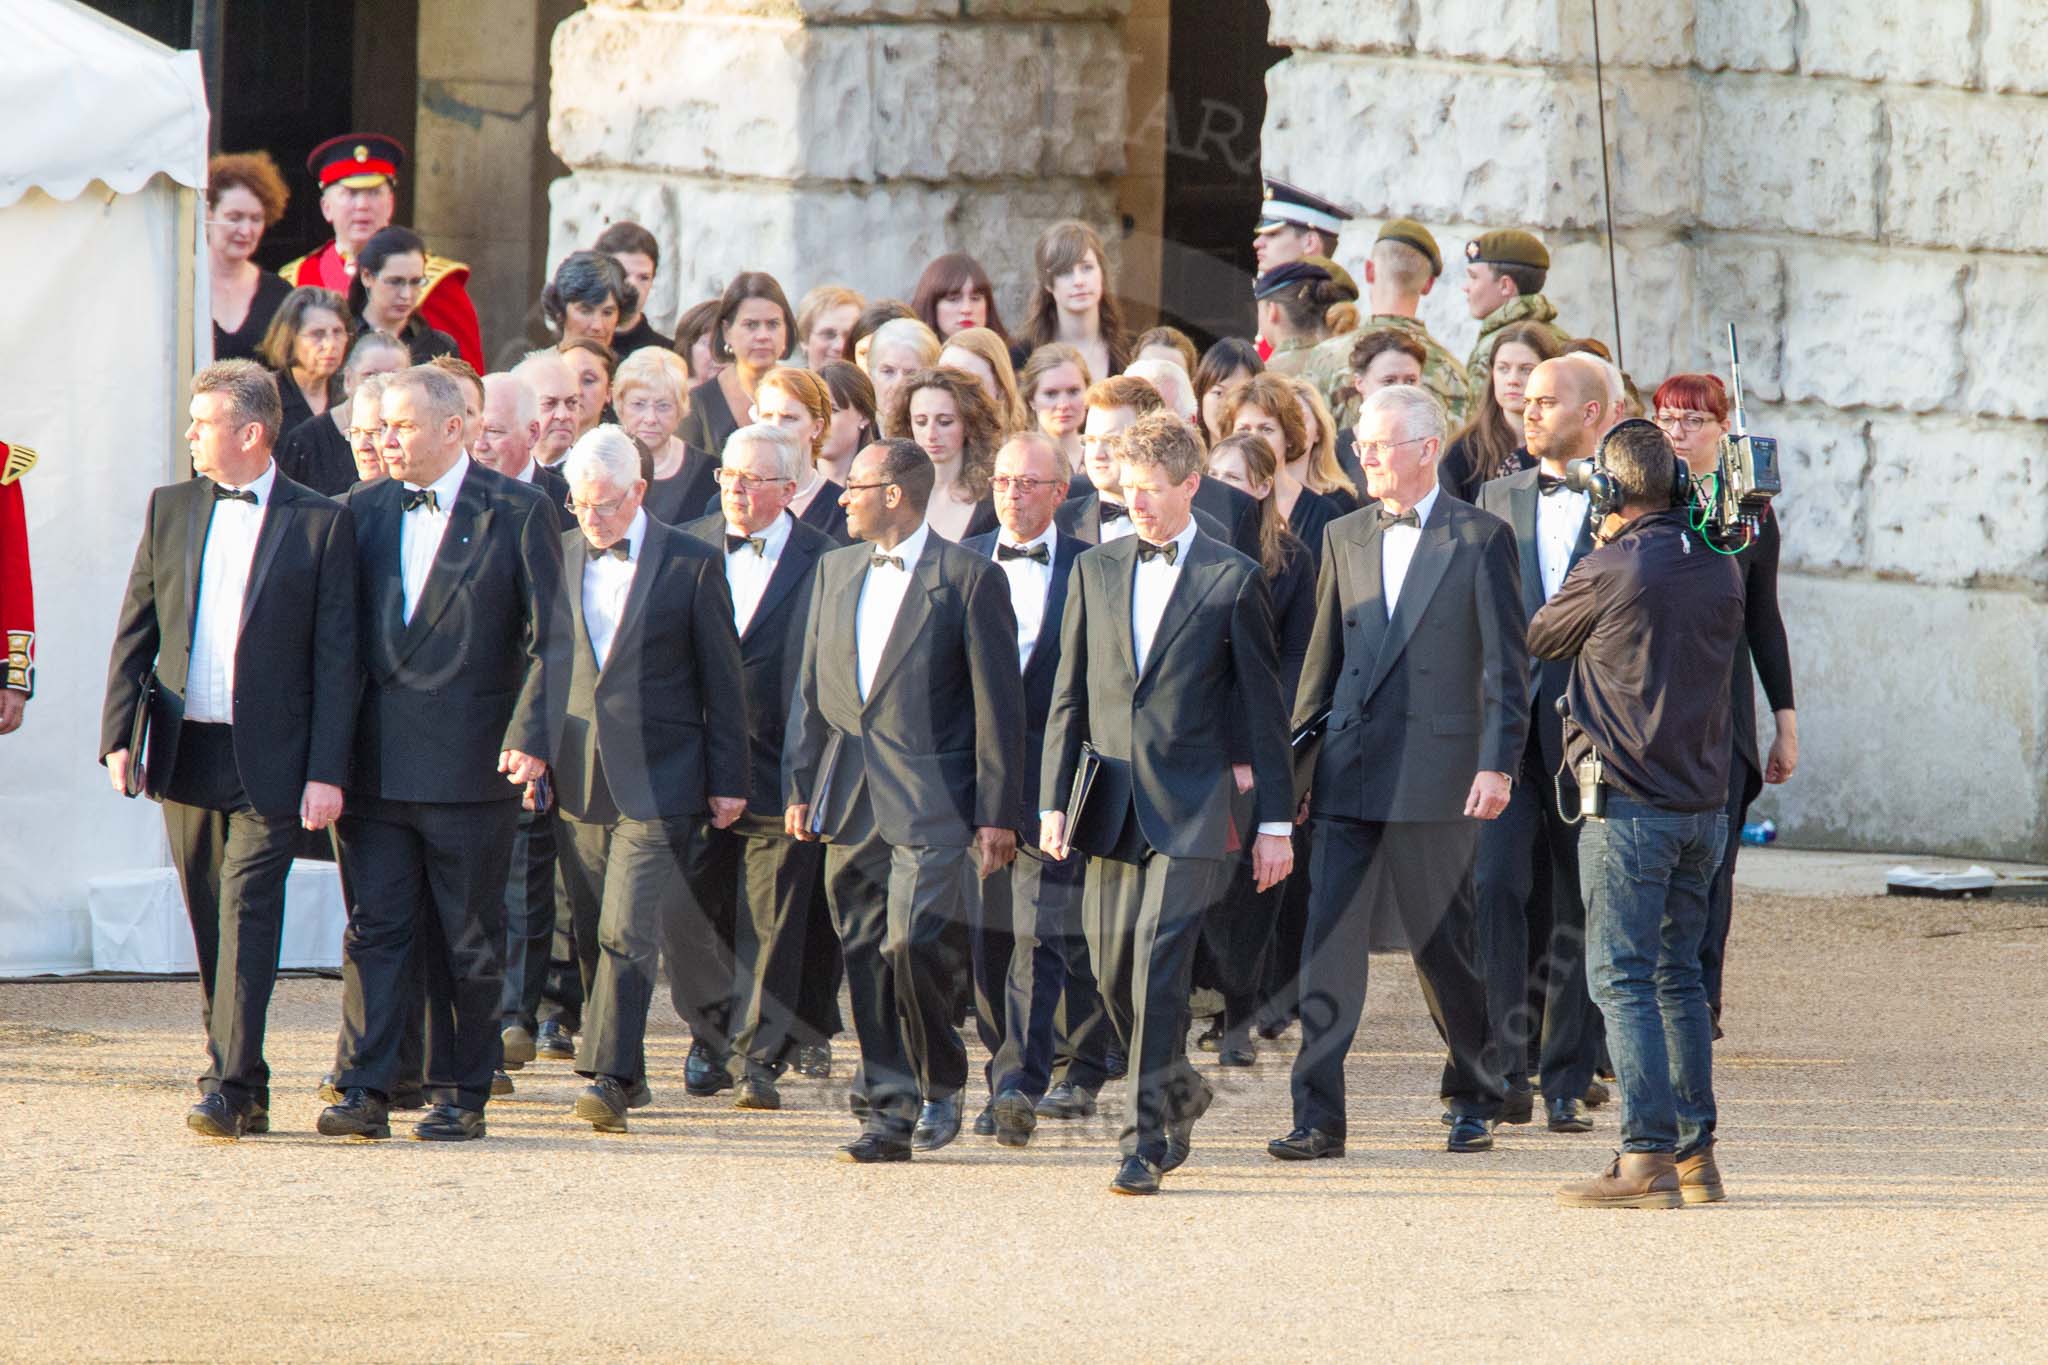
(1688, 422)
(863, 487)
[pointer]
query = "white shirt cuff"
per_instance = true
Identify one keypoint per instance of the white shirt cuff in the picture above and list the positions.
(1276, 827)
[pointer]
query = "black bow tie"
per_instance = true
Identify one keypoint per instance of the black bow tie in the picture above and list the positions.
(618, 549)
(1112, 510)
(1546, 484)
(893, 561)
(734, 544)
(1407, 518)
(1170, 551)
(1035, 553)
(233, 495)
(420, 497)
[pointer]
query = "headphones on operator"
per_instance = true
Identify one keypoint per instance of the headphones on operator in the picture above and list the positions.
(1605, 493)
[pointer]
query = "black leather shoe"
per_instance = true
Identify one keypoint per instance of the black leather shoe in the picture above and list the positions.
(858, 1103)
(814, 1061)
(1469, 1135)
(449, 1123)
(1519, 1106)
(1211, 1038)
(1115, 1064)
(409, 1095)
(554, 1042)
(757, 1092)
(1066, 1101)
(1305, 1144)
(501, 1084)
(985, 1121)
(256, 1120)
(361, 1114)
(1014, 1118)
(1597, 1095)
(704, 1072)
(1180, 1133)
(603, 1105)
(872, 1148)
(1135, 1176)
(938, 1123)
(638, 1096)
(519, 1047)
(1236, 1056)
(216, 1117)
(1568, 1116)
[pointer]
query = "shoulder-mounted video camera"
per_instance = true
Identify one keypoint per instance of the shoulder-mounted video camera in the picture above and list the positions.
(1726, 506)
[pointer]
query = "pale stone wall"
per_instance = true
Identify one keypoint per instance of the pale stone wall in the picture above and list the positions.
(835, 140)
(1859, 185)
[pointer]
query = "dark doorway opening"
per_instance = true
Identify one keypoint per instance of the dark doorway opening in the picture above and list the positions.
(1216, 104)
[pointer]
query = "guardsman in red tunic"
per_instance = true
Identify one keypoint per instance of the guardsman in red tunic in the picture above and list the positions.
(17, 594)
(358, 175)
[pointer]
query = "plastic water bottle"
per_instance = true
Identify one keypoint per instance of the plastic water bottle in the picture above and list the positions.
(1760, 832)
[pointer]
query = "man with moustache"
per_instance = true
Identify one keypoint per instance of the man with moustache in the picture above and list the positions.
(904, 751)
(1418, 671)
(769, 878)
(648, 766)
(465, 654)
(1531, 846)
(238, 636)
(1027, 947)
(558, 401)
(1167, 664)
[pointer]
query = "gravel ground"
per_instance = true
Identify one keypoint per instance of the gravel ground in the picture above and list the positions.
(1882, 1100)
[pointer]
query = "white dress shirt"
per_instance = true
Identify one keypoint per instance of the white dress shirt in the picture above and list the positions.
(606, 581)
(1560, 516)
(1030, 583)
(747, 573)
(1149, 591)
(224, 568)
(881, 597)
(420, 535)
(1397, 549)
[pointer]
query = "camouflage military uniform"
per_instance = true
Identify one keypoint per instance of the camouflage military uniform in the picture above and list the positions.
(1521, 308)
(1291, 356)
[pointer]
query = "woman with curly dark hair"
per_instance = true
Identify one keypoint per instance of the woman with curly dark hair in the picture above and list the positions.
(245, 198)
(949, 416)
(588, 296)
(954, 294)
(1075, 300)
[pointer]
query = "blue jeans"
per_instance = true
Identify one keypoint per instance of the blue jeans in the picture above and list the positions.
(1646, 874)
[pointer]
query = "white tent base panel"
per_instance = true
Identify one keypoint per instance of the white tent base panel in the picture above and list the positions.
(139, 922)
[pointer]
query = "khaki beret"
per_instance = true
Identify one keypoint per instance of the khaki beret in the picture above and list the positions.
(1509, 246)
(1408, 232)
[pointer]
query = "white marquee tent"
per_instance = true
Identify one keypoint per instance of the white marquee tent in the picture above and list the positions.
(101, 259)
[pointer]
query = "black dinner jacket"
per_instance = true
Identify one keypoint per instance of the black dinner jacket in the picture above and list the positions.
(484, 664)
(1423, 702)
(938, 746)
(771, 651)
(555, 488)
(1045, 660)
(662, 726)
(1514, 499)
(296, 671)
(1210, 685)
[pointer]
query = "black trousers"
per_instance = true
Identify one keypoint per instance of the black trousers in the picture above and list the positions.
(1019, 916)
(1743, 783)
(1425, 870)
(895, 910)
(1240, 940)
(824, 972)
(232, 862)
(529, 919)
(1143, 921)
(780, 881)
(1287, 924)
(1531, 936)
(635, 901)
(427, 879)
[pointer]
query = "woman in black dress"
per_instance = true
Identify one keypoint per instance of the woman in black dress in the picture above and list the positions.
(1693, 411)
(385, 290)
(1320, 469)
(854, 425)
(1490, 445)
(953, 295)
(304, 348)
(1075, 301)
(949, 416)
(1226, 367)
(319, 453)
(799, 403)
(245, 197)
(1267, 406)
(593, 364)
(755, 332)
(648, 392)
(587, 297)
(825, 320)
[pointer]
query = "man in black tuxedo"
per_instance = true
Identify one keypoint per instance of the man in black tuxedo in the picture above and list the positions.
(466, 650)
(1419, 663)
(1167, 663)
(1528, 874)
(510, 428)
(770, 879)
(651, 750)
(1099, 515)
(1027, 946)
(905, 748)
(241, 609)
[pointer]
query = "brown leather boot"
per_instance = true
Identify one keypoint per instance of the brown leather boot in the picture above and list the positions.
(1634, 1180)
(1699, 1179)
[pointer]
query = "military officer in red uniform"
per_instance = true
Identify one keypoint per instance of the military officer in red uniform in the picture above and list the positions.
(17, 597)
(358, 175)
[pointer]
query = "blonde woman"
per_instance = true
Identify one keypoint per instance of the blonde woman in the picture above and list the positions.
(1054, 385)
(800, 403)
(1323, 472)
(901, 347)
(983, 354)
(1267, 406)
(647, 394)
